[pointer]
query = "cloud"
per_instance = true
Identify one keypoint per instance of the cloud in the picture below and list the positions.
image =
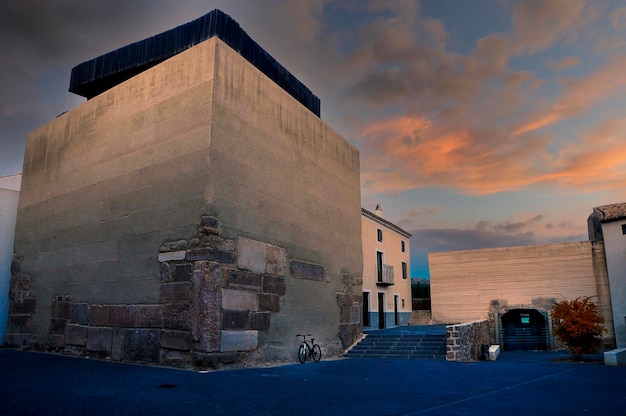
(580, 95)
(539, 24)
(471, 122)
(567, 62)
(486, 234)
(618, 19)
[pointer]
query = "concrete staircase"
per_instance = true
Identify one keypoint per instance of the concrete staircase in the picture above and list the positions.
(401, 346)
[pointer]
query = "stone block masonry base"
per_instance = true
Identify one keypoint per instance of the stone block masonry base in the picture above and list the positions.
(216, 295)
(464, 341)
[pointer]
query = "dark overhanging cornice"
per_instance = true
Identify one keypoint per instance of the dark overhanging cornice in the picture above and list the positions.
(382, 221)
(97, 75)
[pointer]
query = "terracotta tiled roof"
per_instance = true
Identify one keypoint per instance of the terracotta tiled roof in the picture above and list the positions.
(612, 212)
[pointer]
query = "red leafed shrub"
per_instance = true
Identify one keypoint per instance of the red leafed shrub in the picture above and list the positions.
(579, 325)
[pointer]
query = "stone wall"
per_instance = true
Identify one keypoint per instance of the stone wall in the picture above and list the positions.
(464, 341)
(216, 295)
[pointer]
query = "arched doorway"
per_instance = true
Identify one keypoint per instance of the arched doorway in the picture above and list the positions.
(524, 329)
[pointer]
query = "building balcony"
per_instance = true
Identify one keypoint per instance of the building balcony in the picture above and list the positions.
(385, 276)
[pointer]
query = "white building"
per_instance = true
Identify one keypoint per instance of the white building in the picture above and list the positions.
(608, 223)
(386, 272)
(9, 198)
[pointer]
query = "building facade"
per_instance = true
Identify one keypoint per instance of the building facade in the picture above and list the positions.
(386, 272)
(9, 198)
(516, 288)
(607, 223)
(195, 211)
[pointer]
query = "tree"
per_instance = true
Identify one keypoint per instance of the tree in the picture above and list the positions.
(579, 325)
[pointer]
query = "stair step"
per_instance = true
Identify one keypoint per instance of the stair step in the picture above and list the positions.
(400, 346)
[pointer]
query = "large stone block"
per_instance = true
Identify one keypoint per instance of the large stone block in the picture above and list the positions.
(99, 315)
(209, 254)
(57, 326)
(117, 343)
(172, 256)
(213, 360)
(57, 340)
(348, 334)
(179, 292)
(240, 300)
(182, 272)
(206, 305)
(235, 319)
(166, 272)
(305, 270)
(121, 316)
(260, 321)
(274, 284)
(23, 306)
(276, 260)
(62, 309)
(239, 340)
(99, 339)
(19, 323)
(219, 243)
(148, 316)
(141, 345)
(251, 255)
(241, 279)
(79, 313)
(177, 316)
(176, 340)
(269, 302)
(76, 335)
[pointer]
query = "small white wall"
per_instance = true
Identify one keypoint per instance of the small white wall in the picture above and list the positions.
(615, 250)
(9, 198)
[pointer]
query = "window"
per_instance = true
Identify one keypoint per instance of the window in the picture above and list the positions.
(379, 233)
(405, 273)
(402, 247)
(624, 229)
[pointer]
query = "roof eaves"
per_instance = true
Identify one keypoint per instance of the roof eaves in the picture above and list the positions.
(384, 222)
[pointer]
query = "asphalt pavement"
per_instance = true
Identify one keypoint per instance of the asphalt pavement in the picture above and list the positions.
(518, 383)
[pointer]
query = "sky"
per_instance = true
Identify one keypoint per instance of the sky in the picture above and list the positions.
(483, 123)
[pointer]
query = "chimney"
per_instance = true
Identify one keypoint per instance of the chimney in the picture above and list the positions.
(379, 211)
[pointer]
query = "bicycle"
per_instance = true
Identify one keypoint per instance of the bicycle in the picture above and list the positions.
(308, 348)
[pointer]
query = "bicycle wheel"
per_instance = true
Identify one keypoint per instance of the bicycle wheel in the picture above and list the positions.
(302, 353)
(317, 353)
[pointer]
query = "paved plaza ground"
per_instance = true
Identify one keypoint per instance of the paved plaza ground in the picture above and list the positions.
(519, 383)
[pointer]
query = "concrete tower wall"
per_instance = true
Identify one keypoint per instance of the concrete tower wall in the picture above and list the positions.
(199, 171)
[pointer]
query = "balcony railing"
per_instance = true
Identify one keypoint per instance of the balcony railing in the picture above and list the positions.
(385, 277)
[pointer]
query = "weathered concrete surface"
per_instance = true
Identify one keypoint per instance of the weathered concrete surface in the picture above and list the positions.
(465, 284)
(106, 184)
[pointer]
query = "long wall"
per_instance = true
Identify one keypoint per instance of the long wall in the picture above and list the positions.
(143, 165)
(9, 197)
(472, 285)
(613, 235)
